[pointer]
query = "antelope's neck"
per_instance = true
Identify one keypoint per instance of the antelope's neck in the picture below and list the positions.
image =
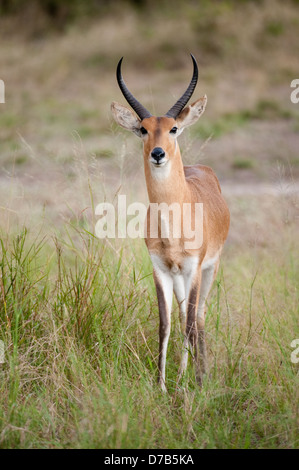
(168, 183)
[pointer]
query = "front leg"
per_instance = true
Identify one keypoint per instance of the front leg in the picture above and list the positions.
(179, 286)
(164, 288)
(192, 326)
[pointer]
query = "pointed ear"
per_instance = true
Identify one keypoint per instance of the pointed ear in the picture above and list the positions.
(191, 113)
(126, 118)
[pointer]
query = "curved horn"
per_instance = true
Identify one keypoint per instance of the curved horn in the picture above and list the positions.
(181, 103)
(140, 110)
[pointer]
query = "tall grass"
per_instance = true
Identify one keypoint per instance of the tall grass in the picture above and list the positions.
(79, 322)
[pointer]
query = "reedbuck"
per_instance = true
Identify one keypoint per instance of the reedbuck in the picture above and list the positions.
(180, 266)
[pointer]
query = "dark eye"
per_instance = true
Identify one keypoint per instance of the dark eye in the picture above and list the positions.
(173, 130)
(143, 130)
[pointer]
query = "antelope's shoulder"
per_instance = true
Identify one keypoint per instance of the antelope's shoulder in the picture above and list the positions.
(202, 173)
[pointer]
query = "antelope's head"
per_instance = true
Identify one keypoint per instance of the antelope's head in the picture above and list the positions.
(159, 134)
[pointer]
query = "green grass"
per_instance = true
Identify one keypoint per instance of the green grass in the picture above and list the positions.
(241, 163)
(79, 321)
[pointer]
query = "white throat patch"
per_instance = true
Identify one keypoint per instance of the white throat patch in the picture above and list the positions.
(160, 173)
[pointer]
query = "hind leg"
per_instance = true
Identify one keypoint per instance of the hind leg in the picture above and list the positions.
(207, 278)
(183, 284)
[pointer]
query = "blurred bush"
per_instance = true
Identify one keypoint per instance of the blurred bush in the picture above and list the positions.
(207, 18)
(60, 12)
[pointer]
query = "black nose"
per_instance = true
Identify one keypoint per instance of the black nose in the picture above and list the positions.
(158, 153)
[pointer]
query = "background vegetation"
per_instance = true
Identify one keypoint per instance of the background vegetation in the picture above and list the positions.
(78, 315)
